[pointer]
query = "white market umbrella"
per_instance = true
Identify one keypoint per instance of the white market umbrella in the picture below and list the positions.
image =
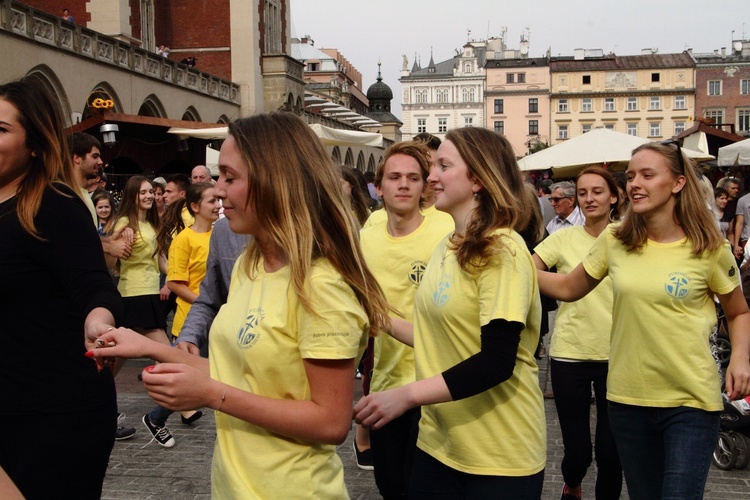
(735, 154)
(596, 147)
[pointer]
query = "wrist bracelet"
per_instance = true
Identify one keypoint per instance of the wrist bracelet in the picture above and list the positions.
(223, 396)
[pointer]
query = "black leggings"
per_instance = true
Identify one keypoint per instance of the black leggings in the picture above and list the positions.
(58, 455)
(572, 383)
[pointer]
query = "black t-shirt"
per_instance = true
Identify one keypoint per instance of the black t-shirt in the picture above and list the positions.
(46, 290)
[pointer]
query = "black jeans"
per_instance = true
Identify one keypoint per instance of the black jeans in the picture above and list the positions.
(571, 383)
(393, 448)
(431, 479)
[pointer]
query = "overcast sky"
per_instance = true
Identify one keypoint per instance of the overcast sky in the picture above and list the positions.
(366, 31)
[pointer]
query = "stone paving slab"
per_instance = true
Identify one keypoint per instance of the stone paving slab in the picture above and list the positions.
(183, 472)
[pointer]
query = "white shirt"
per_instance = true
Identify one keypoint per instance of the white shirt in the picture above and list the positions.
(575, 218)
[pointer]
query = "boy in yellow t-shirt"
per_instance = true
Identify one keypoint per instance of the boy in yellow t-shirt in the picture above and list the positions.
(397, 253)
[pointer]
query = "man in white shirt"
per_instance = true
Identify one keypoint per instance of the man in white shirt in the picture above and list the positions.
(563, 201)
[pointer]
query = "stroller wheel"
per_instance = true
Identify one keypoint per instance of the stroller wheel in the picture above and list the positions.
(725, 455)
(740, 444)
(723, 350)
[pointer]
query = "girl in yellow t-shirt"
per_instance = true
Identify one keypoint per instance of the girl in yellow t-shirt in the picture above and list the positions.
(300, 306)
(139, 273)
(580, 344)
(476, 326)
(666, 260)
(188, 252)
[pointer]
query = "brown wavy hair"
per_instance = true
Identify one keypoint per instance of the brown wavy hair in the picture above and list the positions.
(294, 188)
(491, 163)
(40, 116)
(128, 208)
(690, 211)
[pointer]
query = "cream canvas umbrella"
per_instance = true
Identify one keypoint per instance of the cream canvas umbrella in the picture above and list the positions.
(600, 146)
(735, 154)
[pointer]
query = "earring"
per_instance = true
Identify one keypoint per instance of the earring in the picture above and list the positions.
(476, 196)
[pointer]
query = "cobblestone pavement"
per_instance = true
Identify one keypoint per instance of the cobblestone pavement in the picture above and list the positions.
(141, 471)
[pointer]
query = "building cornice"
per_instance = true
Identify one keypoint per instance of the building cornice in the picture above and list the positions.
(623, 93)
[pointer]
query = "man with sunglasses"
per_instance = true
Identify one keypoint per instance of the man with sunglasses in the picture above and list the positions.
(563, 201)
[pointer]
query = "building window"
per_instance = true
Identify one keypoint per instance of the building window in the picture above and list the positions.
(679, 102)
(499, 107)
(632, 104)
(420, 96)
(586, 105)
(633, 129)
(467, 67)
(442, 125)
(562, 106)
(654, 103)
(679, 127)
(533, 105)
(609, 104)
(562, 132)
(743, 120)
(533, 127)
(312, 66)
(586, 127)
(714, 87)
(421, 125)
(609, 126)
(500, 127)
(654, 129)
(745, 87)
(509, 78)
(441, 95)
(521, 77)
(587, 79)
(467, 93)
(468, 121)
(655, 77)
(716, 114)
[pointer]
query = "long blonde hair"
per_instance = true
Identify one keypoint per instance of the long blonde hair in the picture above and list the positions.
(502, 202)
(294, 189)
(690, 210)
(40, 116)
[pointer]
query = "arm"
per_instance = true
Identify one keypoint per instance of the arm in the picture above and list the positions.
(492, 365)
(739, 222)
(567, 287)
(181, 289)
(539, 263)
(125, 343)
(325, 418)
(403, 331)
(738, 319)
(116, 246)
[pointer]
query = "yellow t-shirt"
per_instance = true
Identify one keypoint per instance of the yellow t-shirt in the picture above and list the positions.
(258, 342)
(582, 328)
(187, 219)
(188, 254)
(662, 318)
(139, 273)
(380, 216)
(398, 264)
(90, 205)
(377, 217)
(502, 431)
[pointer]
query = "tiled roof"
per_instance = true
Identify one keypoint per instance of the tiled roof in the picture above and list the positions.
(516, 63)
(611, 62)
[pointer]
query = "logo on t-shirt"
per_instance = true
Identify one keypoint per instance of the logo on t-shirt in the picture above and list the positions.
(247, 336)
(677, 285)
(442, 295)
(732, 272)
(417, 271)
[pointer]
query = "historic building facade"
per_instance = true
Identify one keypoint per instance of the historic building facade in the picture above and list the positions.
(517, 101)
(723, 87)
(650, 95)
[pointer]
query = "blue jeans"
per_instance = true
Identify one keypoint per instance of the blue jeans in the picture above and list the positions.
(433, 480)
(665, 452)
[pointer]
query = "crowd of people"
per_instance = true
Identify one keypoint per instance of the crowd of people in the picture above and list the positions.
(432, 272)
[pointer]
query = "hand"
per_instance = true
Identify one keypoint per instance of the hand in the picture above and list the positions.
(737, 383)
(118, 247)
(164, 292)
(120, 343)
(189, 347)
(738, 251)
(128, 235)
(180, 387)
(378, 408)
(92, 334)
